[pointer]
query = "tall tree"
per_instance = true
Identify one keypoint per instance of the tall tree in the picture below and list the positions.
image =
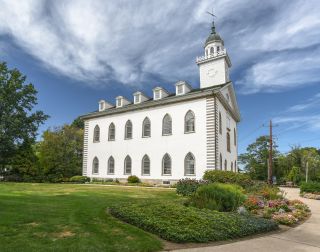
(255, 160)
(60, 152)
(18, 120)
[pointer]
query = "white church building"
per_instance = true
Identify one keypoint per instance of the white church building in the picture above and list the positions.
(171, 135)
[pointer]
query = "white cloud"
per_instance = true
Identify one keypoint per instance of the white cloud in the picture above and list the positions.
(310, 103)
(311, 122)
(100, 42)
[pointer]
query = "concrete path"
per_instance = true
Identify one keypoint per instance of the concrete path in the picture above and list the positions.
(305, 237)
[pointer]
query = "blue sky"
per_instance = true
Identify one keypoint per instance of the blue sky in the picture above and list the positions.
(78, 52)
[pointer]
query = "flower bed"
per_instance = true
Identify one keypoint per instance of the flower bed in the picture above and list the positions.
(282, 211)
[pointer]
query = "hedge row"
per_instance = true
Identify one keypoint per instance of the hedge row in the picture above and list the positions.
(178, 223)
(230, 177)
(310, 187)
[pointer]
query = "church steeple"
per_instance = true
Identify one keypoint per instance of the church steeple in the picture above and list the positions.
(214, 65)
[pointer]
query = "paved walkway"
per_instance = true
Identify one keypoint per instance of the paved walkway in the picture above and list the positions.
(305, 237)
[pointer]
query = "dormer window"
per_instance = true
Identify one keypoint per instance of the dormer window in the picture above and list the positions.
(139, 97)
(121, 101)
(182, 88)
(159, 93)
(103, 105)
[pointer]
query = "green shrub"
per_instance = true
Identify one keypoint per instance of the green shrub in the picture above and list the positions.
(133, 179)
(217, 196)
(187, 186)
(310, 187)
(177, 223)
(230, 177)
(79, 179)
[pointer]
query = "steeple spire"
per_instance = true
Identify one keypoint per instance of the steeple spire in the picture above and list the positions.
(213, 28)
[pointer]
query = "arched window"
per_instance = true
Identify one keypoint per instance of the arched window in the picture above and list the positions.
(235, 166)
(225, 164)
(111, 165)
(235, 137)
(128, 130)
(231, 166)
(96, 134)
(189, 122)
(220, 123)
(95, 166)
(218, 48)
(127, 165)
(166, 164)
(228, 142)
(146, 127)
(166, 125)
(145, 165)
(220, 162)
(112, 132)
(189, 164)
(211, 50)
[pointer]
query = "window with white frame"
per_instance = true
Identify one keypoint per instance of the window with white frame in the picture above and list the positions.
(111, 165)
(145, 165)
(189, 164)
(189, 122)
(137, 98)
(228, 122)
(96, 134)
(180, 89)
(128, 130)
(157, 94)
(112, 132)
(119, 102)
(166, 125)
(95, 166)
(166, 164)
(146, 127)
(228, 142)
(127, 165)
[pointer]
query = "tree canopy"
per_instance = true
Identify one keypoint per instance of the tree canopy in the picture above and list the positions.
(19, 121)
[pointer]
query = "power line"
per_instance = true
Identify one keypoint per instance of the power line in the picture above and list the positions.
(251, 133)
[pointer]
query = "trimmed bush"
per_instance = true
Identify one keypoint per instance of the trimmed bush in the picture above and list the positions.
(177, 223)
(133, 179)
(230, 177)
(310, 187)
(79, 179)
(187, 186)
(217, 196)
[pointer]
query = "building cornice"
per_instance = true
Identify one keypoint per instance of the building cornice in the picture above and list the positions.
(196, 94)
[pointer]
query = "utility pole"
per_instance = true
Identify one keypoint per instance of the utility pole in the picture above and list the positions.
(307, 171)
(270, 155)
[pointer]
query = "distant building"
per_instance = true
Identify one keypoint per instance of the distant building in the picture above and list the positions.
(169, 136)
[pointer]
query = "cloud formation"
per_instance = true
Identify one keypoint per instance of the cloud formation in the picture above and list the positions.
(274, 45)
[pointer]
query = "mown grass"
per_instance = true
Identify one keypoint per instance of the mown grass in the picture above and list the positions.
(65, 217)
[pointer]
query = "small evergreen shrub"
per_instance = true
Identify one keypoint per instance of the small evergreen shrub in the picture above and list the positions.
(79, 179)
(133, 179)
(187, 186)
(310, 187)
(175, 222)
(217, 196)
(230, 177)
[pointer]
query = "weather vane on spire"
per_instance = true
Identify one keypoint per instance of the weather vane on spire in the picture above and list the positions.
(213, 28)
(211, 14)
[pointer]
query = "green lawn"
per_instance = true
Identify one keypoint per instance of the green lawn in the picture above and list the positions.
(64, 217)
